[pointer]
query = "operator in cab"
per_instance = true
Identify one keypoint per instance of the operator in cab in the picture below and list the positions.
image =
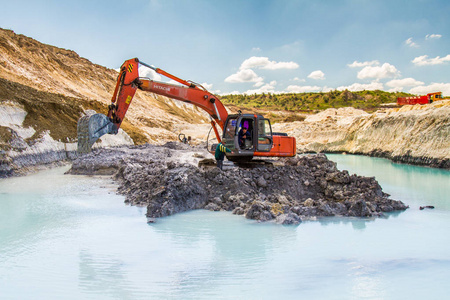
(242, 136)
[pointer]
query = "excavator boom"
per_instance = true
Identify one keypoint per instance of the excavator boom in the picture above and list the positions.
(92, 127)
(260, 139)
(128, 81)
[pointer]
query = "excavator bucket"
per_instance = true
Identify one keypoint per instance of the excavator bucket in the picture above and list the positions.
(90, 128)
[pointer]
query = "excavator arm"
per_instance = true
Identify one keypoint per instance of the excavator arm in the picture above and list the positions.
(261, 143)
(92, 127)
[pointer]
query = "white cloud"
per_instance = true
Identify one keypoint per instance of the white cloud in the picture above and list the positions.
(410, 43)
(375, 85)
(256, 49)
(265, 63)
(207, 85)
(424, 60)
(378, 72)
(266, 88)
(318, 75)
(404, 82)
(433, 36)
(357, 64)
(395, 89)
(303, 89)
(432, 88)
(298, 79)
(245, 75)
(149, 73)
(261, 83)
(230, 93)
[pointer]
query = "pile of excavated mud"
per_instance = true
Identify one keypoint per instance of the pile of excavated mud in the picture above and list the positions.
(167, 180)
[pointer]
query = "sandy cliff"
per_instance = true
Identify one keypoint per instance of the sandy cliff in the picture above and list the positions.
(413, 134)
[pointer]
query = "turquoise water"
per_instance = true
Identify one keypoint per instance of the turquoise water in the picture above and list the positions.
(71, 237)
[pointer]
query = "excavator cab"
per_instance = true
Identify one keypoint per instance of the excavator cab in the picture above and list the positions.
(247, 134)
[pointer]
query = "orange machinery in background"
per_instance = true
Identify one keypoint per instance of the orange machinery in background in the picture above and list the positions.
(429, 98)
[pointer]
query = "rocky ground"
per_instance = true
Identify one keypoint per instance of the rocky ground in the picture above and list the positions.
(167, 180)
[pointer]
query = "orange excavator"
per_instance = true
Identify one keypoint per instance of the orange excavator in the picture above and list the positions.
(260, 141)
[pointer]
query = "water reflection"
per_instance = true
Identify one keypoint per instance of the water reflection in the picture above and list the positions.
(103, 275)
(222, 252)
(357, 223)
(224, 230)
(369, 278)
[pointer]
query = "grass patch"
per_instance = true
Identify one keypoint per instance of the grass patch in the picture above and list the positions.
(313, 102)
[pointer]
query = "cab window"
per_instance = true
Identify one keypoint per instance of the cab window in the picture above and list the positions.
(264, 135)
(230, 129)
(265, 129)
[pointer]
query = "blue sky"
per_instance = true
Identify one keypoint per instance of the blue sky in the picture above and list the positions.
(257, 45)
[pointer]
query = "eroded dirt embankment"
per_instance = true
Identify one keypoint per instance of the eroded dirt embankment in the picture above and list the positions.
(167, 180)
(415, 134)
